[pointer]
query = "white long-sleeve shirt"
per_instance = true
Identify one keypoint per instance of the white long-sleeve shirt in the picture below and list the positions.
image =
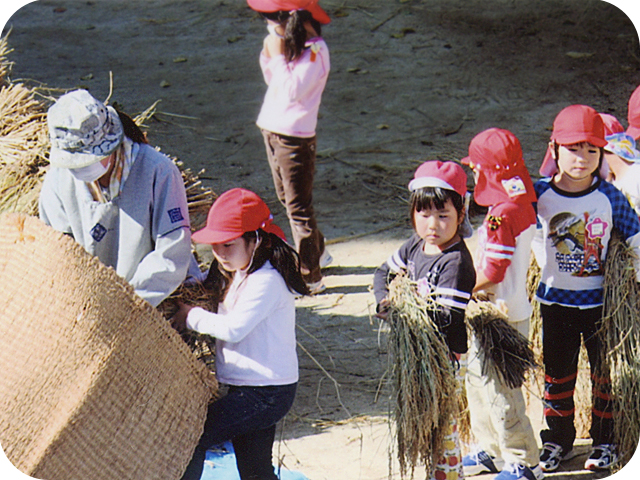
(254, 330)
(295, 89)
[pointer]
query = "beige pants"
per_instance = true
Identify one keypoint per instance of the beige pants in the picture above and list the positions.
(498, 418)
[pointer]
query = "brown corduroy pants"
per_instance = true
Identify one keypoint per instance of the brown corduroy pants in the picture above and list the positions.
(292, 161)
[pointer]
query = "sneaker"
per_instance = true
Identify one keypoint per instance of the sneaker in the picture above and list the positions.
(316, 287)
(325, 259)
(551, 456)
(602, 457)
(514, 471)
(537, 472)
(480, 462)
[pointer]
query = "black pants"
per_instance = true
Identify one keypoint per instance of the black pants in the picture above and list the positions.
(562, 329)
(247, 416)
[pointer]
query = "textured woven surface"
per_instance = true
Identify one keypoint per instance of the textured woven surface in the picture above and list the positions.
(94, 383)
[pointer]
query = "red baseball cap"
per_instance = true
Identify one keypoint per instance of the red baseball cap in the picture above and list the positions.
(633, 114)
(447, 175)
(611, 124)
(233, 213)
(496, 155)
(574, 124)
(270, 6)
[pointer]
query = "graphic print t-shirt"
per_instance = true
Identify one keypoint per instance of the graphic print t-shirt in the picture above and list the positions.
(575, 232)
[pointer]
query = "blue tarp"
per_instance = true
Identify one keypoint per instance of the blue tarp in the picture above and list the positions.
(221, 465)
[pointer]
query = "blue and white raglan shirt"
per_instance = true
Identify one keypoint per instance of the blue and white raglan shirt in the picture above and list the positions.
(574, 234)
(449, 276)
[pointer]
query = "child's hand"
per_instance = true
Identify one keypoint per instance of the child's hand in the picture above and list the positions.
(273, 46)
(179, 320)
(383, 309)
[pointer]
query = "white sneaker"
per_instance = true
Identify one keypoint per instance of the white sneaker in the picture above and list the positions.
(316, 287)
(602, 457)
(325, 259)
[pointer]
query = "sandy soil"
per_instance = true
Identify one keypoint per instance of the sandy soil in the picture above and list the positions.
(411, 80)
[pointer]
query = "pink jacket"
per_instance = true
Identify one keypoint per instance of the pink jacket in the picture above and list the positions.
(293, 98)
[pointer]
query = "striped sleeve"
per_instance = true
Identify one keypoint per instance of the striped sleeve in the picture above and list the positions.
(452, 298)
(503, 226)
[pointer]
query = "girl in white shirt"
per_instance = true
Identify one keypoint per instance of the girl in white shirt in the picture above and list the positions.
(253, 279)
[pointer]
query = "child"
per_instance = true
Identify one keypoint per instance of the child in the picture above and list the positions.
(577, 211)
(498, 417)
(254, 275)
(437, 258)
(295, 65)
(623, 159)
(633, 114)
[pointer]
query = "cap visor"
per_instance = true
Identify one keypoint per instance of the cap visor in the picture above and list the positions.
(319, 14)
(63, 159)
(211, 237)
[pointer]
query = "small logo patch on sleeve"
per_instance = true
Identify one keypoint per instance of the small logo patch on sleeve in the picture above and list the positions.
(98, 232)
(493, 222)
(175, 215)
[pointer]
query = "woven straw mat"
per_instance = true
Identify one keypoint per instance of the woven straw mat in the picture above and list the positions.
(94, 383)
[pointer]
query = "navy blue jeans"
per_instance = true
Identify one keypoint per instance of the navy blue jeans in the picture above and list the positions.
(247, 416)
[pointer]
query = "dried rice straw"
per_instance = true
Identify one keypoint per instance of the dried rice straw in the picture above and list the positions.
(195, 295)
(504, 352)
(424, 378)
(621, 339)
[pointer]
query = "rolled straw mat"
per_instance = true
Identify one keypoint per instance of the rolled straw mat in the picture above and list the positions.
(94, 384)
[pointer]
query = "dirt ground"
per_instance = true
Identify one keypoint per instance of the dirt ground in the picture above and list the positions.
(411, 80)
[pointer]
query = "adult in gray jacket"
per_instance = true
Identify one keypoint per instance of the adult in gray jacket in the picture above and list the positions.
(118, 197)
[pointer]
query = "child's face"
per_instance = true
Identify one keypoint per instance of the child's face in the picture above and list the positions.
(438, 228)
(578, 161)
(234, 255)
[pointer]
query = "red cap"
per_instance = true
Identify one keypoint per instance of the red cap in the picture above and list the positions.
(611, 124)
(496, 155)
(447, 175)
(233, 213)
(311, 6)
(633, 114)
(574, 124)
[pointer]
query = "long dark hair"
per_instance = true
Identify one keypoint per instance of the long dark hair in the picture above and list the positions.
(434, 197)
(131, 129)
(295, 35)
(271, 248)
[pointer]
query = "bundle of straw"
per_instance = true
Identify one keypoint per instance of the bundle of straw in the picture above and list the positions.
(24, 143)
(5, 64)
(196, 295)
(424, 378)
(504, 352)
(620, 335)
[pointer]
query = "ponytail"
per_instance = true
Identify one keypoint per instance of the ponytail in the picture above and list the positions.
(283, 258)
(131, 130)
(295, 34)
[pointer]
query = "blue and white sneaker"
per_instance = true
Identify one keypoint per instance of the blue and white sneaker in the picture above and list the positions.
(602, 457)
(480, 462)
(513, 471)
(551, 456)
